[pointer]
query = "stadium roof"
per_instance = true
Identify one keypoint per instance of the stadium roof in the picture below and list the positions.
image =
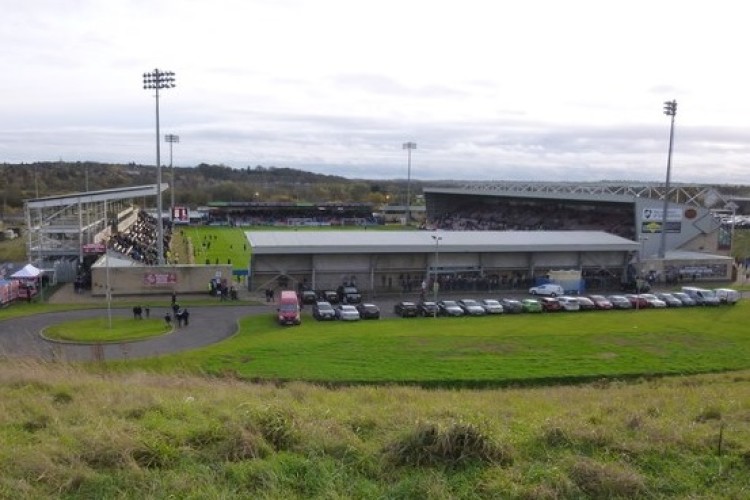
(96, 196)
(615, 192)
(341, 242)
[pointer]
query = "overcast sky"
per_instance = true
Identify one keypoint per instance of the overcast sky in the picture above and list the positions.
(489, 90)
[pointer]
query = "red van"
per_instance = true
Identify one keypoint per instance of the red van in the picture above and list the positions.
(288, 311)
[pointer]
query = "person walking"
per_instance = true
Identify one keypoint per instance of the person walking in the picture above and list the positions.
(185, 317)
(168, 319)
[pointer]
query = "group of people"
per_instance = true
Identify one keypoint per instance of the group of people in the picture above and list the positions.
(139, 241)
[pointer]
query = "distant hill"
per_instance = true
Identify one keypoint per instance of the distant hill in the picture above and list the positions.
(194, 185)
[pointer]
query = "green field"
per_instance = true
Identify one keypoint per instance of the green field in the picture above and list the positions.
(215, 245)
(516, 349)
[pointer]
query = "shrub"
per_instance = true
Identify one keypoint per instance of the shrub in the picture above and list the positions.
(606, 480)
(458, 444)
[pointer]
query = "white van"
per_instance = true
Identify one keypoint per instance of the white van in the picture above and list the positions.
(701, 296)
(727, 295)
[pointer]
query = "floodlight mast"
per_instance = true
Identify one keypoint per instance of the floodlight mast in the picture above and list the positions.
(408, 146)
(158, 80)
(171, 139)
(670, 109)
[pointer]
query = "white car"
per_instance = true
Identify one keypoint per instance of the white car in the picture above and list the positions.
(727, 295)
(347, 313)
(492, 306)
(569, 303)
(549, 289)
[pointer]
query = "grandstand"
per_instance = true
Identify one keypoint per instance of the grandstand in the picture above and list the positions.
(631, 210)
(290, 214)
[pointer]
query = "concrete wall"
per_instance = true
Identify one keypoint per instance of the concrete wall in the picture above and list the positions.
(156, 280)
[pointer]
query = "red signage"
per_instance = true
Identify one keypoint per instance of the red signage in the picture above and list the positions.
(94, 248)
(157, 279)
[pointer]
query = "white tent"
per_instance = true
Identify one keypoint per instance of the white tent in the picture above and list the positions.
(26, 272)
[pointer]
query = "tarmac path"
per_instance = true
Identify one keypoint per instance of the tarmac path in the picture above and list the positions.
(22, 337)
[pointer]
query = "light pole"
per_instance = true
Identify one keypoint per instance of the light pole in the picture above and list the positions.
(158, 80)
(171, 139)
(670, 109)
(435, 285)
(408, 146)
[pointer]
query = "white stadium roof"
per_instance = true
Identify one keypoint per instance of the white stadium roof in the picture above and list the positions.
(340, 242)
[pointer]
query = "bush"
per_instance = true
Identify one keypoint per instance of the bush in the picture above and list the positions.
(606, 480)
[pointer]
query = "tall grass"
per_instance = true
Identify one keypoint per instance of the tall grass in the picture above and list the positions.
(71, 433)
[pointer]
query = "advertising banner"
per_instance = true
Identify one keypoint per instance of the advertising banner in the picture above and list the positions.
(653, 218)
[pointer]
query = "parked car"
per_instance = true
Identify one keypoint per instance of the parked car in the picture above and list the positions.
(702, 296)
(586, 303)
(428, 309)
(548, 289)
(471, 307)
(368, 311)
(531, 306)
(347, 312)
(309, 296)
(569, 304)
(406, 309)
(684, 298)
(550, 304)
(727, 296)
(449, 308)
(654, 301)
(349, 295)
(637, 301)
(323, 311)
(329, 296)
(620, 302)
(669, 299)
(512, 306)
(601, 302)
(492, 306)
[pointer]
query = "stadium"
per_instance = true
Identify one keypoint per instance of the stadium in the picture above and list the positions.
(489, 235)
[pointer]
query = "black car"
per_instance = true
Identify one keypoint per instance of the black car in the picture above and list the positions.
(329, 296)
(406, 309)
(309, 297)
(349, 295)
(368, 311)
(428, 309)
(323, 311)
(512, 306)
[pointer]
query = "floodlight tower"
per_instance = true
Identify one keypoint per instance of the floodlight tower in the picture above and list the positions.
(171, 139)
(670, 109)
(158, 80)
(408, 146)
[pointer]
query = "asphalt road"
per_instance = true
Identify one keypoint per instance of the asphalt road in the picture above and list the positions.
(22, 337)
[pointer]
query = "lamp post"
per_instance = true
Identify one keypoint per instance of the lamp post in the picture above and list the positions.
(408, 146)
(435, 285)
(670, 109)
(171, 139)
(158, 80)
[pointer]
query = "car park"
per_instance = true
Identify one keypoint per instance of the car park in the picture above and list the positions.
(620, 302)
(471, 307)
(449, 308)
(669, 299)
(406, 309)
(550, 304)
(368, 311)
(586, 303)
(512, 306)
(569, 304)
(492, 306)
(428, 309)
(654, 301)
(323, 311)
(601, 302)
(531, 306)
(684, 298)
(347, 312)
(548, 289)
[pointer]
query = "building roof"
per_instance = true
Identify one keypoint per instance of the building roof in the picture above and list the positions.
(96, 196)
(341, 242)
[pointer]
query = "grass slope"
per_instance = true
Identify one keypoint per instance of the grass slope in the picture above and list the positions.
(480, 351)
(69, 433)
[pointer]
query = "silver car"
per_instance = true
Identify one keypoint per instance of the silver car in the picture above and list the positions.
(347, 313)
(471, 307)
(492, 306)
